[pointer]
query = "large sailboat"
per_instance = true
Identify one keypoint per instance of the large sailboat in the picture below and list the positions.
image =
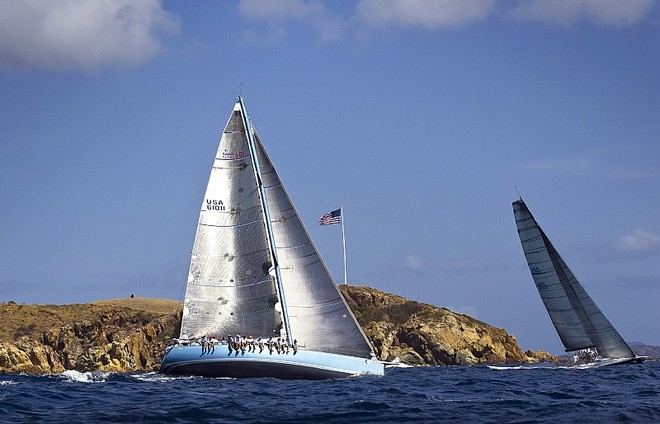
(259, 299)
(581, 325)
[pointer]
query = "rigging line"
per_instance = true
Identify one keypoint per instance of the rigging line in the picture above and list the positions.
(240, 91)
(519, 195)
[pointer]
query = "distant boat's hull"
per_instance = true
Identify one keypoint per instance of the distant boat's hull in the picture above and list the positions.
(190, 360)
(604, 362)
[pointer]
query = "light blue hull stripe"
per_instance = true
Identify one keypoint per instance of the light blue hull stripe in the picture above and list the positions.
(185, 356)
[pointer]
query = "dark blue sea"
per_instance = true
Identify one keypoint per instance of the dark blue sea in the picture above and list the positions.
(462, 394)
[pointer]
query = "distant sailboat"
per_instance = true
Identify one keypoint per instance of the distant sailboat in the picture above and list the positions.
(581, 325)
(257, 280)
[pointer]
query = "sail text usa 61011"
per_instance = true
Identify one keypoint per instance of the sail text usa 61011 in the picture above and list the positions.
(256, 273)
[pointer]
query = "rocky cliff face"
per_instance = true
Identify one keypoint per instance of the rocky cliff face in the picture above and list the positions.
(422, 334)
(129, 335)
(43, 339)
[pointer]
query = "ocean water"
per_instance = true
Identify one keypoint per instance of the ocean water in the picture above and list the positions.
(492, 394)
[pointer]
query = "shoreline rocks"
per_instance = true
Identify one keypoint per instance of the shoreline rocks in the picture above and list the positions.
(130, 335)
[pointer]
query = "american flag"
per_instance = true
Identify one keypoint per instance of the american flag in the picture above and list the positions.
(332, 217)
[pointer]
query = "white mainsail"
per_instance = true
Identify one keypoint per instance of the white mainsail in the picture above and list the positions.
(249, 236)
(229, 289)
(577, 319)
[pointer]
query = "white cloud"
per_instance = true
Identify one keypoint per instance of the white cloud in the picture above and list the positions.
(638, 242)
(80, 34)
(599, 12)
(429, 14)
(435, 15)
(414, 262)
(465, 265)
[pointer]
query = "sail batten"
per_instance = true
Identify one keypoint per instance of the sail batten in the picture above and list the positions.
(579, 322)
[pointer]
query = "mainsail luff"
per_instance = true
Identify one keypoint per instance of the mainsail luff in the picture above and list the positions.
(577, 319)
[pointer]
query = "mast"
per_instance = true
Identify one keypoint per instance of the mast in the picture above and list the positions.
(267, 220)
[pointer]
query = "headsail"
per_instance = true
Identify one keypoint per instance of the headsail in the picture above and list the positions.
(577, 319)
(318, 314)
(230, 289)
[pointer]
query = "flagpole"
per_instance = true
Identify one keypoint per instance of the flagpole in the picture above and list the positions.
(343, 240)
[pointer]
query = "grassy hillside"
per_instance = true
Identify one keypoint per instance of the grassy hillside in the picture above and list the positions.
(20, 320)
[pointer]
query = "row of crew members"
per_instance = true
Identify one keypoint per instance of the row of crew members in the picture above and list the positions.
(243, 344)
(249, 344)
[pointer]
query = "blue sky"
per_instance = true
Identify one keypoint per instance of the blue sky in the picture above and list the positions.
(420, 117)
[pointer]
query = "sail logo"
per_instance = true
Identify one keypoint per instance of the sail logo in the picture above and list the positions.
(226, 154)
(535, 270)
(214, 205)
(541, 285)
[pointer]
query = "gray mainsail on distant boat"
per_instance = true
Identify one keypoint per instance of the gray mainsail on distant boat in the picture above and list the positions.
(576, 317)
(254, 271)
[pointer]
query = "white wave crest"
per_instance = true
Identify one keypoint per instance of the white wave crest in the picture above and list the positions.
(155, 376)
(84, 377)
(523, 367)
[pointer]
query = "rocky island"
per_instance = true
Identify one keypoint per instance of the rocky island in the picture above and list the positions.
(130, 335)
